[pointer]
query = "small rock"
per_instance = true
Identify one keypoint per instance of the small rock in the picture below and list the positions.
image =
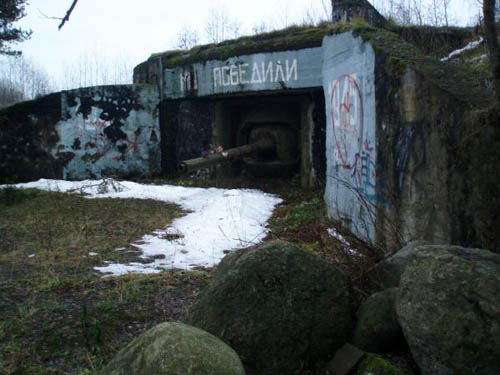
(373, 364)
(377, 328)
(344, 360)
(175, 349)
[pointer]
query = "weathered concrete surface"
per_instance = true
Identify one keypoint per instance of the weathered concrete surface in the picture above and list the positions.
(27, 136)
(351, 145)
(109, 130)
(414, 156)
(256, 72)
(82, 133)
(400, 154)
(294, 38)
(437, 151)
(347, 10)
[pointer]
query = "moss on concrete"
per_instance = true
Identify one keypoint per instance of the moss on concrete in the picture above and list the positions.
(400, 54)
(289, 39)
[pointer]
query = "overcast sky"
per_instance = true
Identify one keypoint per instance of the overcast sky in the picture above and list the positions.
(135, 29)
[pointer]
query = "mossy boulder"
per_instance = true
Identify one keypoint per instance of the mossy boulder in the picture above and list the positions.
(175, 349)
(278, 306)
(387, 272)
(449, 310)
(377, 328)
(373, 364)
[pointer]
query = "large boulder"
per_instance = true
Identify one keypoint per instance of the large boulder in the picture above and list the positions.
(449, 310)
(387, 273)
(377, 328)
(175, 349)
(278, 306)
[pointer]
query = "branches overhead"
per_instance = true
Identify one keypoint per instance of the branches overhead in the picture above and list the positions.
(68, 13)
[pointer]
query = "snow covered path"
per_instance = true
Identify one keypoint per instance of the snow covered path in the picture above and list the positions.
(219, 220)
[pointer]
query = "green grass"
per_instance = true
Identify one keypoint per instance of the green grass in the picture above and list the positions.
(59, 316)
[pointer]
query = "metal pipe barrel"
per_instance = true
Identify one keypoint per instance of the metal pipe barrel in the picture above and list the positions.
(264, 144)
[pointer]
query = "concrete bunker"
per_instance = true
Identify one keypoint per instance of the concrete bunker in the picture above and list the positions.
(236, 94)
(283, 120)
(360, 113)
(265, 135)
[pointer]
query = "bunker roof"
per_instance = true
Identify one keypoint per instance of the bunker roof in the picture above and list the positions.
(399, 54)
(289, 39)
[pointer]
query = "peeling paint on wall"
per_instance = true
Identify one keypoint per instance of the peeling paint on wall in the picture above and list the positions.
(109, 130)
(351, 177)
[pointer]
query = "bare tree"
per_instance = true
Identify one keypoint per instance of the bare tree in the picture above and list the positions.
(417, 12)
(219, 26)
(187, 38)
(95, 69)
(314, 15)
(9, 94)
(490, 35)
(261, 27)
(21, 79)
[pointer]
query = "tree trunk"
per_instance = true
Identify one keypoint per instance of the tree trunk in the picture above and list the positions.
(490, 35)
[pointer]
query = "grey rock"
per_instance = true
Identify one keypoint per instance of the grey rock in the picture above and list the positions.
(278, 306)
(377, 328)
(344, 360)
(449, 310)
(388, 272)
(175, 349)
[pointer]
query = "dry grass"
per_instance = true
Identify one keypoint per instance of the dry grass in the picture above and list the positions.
(59, 316)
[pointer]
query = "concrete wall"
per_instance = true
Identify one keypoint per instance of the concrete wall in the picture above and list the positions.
(27, 136)
(409, 155)
(256, 72)
(83, 133)
(109, 130)
(351, 143)
(438, 160)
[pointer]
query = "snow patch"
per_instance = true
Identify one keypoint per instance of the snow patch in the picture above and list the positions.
(469, 46)
(218, 220)
(348, 248)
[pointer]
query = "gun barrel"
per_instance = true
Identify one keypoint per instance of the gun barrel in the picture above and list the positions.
(264, 144)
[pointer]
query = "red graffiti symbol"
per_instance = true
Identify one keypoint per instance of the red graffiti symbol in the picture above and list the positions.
(346, 114)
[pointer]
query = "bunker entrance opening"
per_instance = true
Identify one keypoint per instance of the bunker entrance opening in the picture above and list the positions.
(279, 121)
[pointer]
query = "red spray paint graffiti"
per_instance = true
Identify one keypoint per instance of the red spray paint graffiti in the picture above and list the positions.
(353, 151)
(92, 135)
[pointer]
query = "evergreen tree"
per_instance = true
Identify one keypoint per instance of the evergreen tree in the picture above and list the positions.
(10, 12)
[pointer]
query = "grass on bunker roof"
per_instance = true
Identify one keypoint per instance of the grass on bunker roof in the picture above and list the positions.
(59, 316)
